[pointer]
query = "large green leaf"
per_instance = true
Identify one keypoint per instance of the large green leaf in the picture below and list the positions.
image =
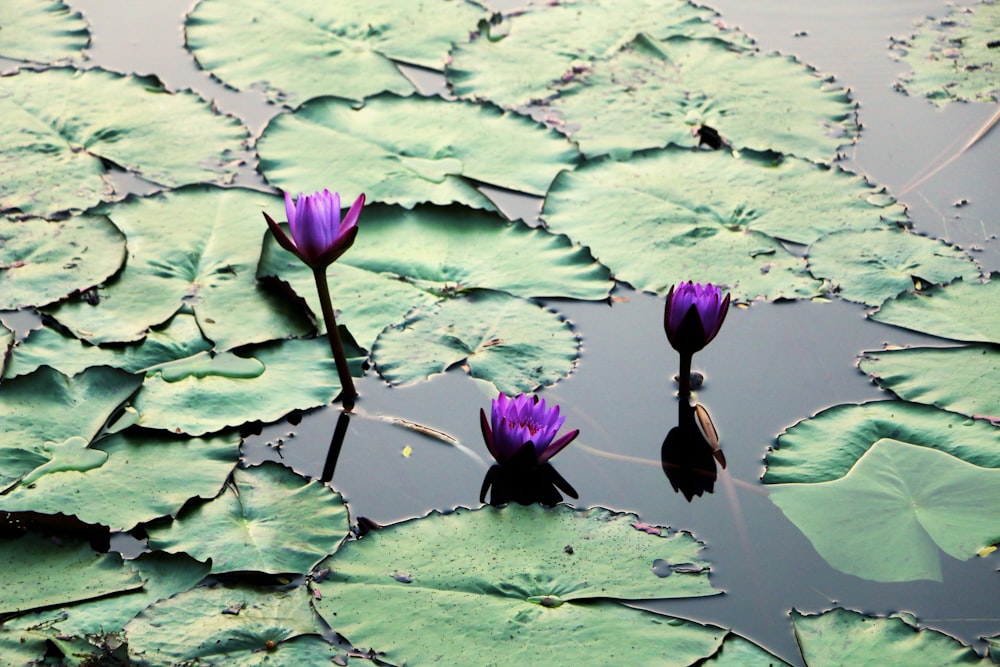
(295, 51)
(653, 93)
(514, 62)
(963, 310)
(41, 31)
(887, 518)
(57, 126)
(230, 626)
(954, 58)
(873, 265)
(511, 342)
(409, 150)
(961, 379)
(517, 582)
(843, 638)
(826, 446)
(42, 261)
(204, 394)
(143, 477)
(268, 520)
(37, 572)
(195, 247)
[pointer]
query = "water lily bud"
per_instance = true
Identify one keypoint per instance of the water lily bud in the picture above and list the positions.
(319, 234)
(520, 431)
(693, 315)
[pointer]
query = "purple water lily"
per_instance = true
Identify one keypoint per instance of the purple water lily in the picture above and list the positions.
(319, 234)
(694, 315)
(520, 431)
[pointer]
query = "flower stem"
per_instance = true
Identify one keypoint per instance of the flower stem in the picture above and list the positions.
(684, 377)
(348, 393)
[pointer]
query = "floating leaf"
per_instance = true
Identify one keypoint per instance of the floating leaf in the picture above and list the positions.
(954, 58)
(654, 93)
(409, 150)
(41, 32)
(961, 379)
(295, 52)
(930, 500)
(143, 477)
(963, 310)
(739, 652)
(511, 585)
(42, 261)
(511, 342)
(873, 265)
(208, 263)
(57, 126)
(268, 520)
(826, 446)
(842, 637)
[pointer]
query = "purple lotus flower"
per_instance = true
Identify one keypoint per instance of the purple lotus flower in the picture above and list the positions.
(694, 315)
(521, 431)
(319, 235)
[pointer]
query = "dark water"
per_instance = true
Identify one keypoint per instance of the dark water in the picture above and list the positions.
(771, 366)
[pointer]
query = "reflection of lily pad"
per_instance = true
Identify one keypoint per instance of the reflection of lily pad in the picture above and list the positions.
(887, 518)
(963, 310)
(41, 32)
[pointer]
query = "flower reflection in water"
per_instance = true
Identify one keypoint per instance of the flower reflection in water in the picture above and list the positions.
(691, 451)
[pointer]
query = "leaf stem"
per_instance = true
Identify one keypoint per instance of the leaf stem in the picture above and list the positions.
(348, 392)
(684, 377)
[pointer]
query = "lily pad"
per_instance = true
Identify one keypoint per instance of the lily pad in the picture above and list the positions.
(268, 520)
(961, 379)
(954, 58)
(513, 343)
(42, 262)
(196, 247)
(739, 652)
(57, 126)
(410, 150)
(41, 32)
(654, 93)
(963, 310)
(142, 478)
(931, 500)
(843, 637)
(873, 265)
(294, 52)
(826, 446)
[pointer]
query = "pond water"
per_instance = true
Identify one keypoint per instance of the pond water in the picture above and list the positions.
(771, 366)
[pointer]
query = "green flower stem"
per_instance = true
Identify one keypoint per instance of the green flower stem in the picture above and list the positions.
(684, 377)
(348, 392)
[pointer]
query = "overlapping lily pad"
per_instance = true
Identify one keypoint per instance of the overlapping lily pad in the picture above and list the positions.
(410, 150)
(964, 310)
(41, 31)
(57, 126)
(954, 57)
(511, 342)
(654, 93)
(525, 581)
(268, 520)
(294, 52)
(42, 262)
(873, 265)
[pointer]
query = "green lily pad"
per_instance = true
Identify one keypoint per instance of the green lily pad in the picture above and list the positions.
(230, 626)
(954, 58)
(963, 310)
(196, 247)
(654, 93)
(739, 652)
(513, 343)
(410, 150)
(873, 265)
(41, 32)
(961, 379)
(231, 390)
(349, 50)
(42, 262)
(57, 126)
(826, 446)
(36, 572)
(930, 500)
(143, 477)
(843, 637)
(523, 573)
(268, 520)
